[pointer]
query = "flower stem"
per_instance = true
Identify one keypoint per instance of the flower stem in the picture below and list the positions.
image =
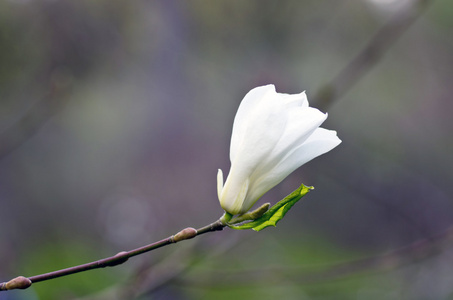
(22, 282)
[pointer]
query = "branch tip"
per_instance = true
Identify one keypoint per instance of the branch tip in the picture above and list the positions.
(20, 282)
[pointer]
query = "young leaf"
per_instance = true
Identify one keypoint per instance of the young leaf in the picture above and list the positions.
(276, 212)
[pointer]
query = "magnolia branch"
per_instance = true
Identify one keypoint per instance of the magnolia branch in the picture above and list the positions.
(257, 220)
(22, 282)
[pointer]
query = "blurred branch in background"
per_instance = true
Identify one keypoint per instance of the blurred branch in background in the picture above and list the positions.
(373, 51)
(414, 252)
(72, 44)
(32, 119)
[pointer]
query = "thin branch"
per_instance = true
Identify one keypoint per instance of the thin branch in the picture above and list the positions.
(22, 282)
(172, 272)
(373, 51)
(301, 275)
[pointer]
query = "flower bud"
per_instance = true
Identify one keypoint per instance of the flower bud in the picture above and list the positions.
(273, 135)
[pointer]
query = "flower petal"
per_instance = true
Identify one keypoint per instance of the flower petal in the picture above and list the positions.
(266, 125)
(295, 99)
(219, 183)
(301, 124)
(248, 105)
(273, 134)
(233, 195)
(320, 142)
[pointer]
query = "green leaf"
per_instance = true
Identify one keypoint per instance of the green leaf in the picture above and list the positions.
(276, 212)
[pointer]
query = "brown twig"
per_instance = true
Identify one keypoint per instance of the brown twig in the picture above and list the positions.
(22, 282)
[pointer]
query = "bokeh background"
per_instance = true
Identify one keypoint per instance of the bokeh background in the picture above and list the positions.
(116, 115)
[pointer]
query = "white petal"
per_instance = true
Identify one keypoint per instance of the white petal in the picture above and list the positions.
(299, 100)
(266, 126)
(219, 183)
(301, 124)
(320, 142)
(259, 103)
(248, 105)
(233, 196)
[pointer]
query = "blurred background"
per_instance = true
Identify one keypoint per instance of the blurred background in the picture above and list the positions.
(116, 115)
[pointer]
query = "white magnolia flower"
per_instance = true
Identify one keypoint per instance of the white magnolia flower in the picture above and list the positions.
(273, 135)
